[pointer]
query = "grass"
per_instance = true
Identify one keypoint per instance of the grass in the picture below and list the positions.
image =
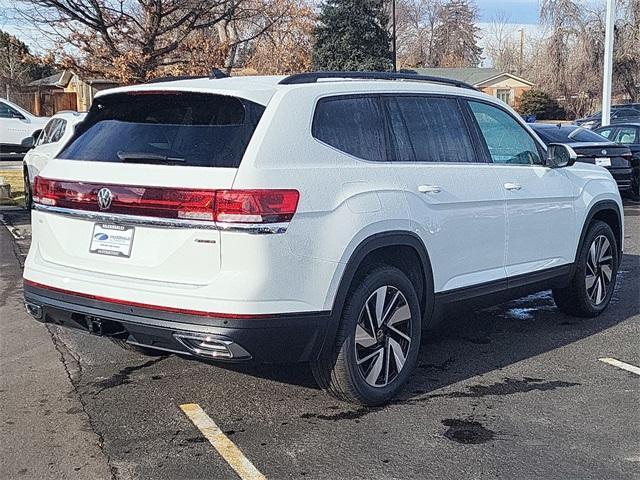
(13, 178)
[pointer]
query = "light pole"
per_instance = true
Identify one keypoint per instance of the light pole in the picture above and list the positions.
(608, 62)
(393, 33)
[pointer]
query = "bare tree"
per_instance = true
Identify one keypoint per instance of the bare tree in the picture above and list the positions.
(137, 39)
(17, 65)
(416, 22)
(569, 63)
(502, 45)
(286, 47)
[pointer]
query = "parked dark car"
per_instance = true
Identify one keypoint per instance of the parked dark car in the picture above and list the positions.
(618, 115)
(627, 134)
(592, 148)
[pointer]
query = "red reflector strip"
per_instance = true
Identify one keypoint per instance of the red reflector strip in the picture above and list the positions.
(227, 206)
(159, 308)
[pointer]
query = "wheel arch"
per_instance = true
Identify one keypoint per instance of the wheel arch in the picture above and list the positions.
(607, 211)
(367, 249)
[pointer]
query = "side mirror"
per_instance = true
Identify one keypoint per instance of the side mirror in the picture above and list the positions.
(18, 116)
(28, 142)
(560, 155)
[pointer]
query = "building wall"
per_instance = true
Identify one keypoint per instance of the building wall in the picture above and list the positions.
(515, 89)
(84, 92)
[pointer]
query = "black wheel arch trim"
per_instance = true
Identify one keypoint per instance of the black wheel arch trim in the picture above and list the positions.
(368, 245)
(600, 206)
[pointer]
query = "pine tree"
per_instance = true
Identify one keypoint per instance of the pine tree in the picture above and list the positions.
(456, 36)
(352, 35)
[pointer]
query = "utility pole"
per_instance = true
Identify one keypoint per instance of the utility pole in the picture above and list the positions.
(608, 62)
(393, 40)
(521, 51)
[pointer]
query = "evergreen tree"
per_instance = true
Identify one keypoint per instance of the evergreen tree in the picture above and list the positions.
(456, 35)
(352, 35)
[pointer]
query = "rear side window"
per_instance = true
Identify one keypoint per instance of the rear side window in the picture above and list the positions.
(173, 128)
(354, 125)
(429, 129)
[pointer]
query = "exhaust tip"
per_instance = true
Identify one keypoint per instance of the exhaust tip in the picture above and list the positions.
(34, 310)
(212, 346)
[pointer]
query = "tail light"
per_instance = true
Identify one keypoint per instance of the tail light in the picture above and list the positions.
(256, 206)
(227, 206)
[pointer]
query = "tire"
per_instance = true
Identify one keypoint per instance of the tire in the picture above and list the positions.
(148, 352)
(378, 378)
(579, 298)
(635, 188)
(28, 194)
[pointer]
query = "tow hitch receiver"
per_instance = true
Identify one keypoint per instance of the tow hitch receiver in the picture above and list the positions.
(100, 327)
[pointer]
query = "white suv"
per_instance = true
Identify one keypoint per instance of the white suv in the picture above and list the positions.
(15, 125)
(322, 217)
(47, 144)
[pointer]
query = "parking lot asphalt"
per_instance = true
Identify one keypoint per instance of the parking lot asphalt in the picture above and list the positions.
(514, 391)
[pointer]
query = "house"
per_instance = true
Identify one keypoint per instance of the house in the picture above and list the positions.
(66, 91)
(506, 86)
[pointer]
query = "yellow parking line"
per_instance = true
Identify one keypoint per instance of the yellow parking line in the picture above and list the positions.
(624, 366)
(225, 447)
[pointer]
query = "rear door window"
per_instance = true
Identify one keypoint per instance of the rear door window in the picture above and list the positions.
(58, 131)
(354, 125)
(627, 135)
(429, 129)
(173, 128)
(47, 131)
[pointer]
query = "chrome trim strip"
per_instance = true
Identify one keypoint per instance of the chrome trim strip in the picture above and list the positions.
(137, 220)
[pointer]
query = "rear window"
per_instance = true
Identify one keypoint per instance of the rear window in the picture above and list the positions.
(354, 125)
(568, 135)
(172, 128)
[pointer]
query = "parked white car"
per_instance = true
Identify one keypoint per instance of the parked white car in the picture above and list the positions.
(322, 217)
(46, 145)
(15, 124)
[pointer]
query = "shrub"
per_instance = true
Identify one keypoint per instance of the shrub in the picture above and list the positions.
(538, 103)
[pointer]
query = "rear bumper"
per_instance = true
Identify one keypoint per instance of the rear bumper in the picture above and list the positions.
(278, 338)
(623, 177)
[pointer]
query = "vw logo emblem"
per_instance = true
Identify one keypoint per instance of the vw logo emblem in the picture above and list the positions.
(105, 197)
(604, 152)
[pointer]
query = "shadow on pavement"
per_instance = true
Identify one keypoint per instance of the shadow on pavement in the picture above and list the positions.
(470, 344)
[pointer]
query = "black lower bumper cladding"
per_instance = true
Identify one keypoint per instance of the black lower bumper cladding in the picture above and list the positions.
(273, 339)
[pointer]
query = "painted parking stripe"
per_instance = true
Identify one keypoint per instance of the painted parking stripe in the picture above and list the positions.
(225, 447)
(624, 366)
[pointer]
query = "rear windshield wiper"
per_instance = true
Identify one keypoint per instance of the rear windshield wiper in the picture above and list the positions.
(142, 157)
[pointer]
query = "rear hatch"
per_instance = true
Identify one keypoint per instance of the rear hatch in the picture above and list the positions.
(133, 193)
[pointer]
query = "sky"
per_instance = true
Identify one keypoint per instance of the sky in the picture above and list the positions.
(522, 12)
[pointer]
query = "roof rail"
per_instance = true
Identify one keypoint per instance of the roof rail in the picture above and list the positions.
(313, 77)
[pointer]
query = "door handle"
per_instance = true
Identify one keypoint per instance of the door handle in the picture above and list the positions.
(429, 189)
(511, 186)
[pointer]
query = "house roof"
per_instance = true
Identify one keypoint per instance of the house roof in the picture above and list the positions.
(474, 76)
(63, 78)
(50, 81)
